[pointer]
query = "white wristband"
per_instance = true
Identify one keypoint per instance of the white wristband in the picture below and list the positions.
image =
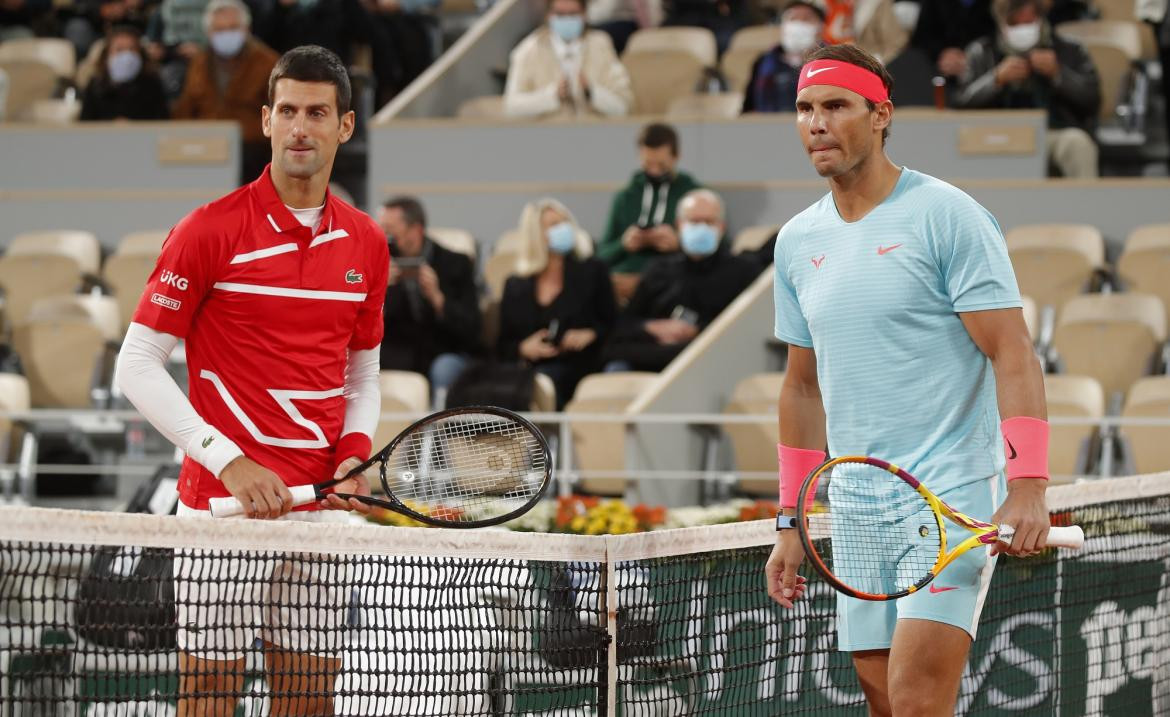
(213, 450)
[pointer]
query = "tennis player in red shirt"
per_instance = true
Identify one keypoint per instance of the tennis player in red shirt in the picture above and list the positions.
(277, 290)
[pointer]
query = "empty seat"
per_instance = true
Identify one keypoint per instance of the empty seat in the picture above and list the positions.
(1072, 448)
(665, 64)
(1149, 447)
(1111, 337)
(487, 107)
(698, 42)
(753, 445)
(149, 243)
(55, 52)
(724, 105)
(544, 394)
(496, 270)
(746, 47)
(1054, 262)
(753, 238)
(65, 345)
(1144, 264)
(83, 247)
(29, 81)
(1125, 11)
(1114, 67)
(402, 392)
(601, 446)
(55, 111)
(460, 241)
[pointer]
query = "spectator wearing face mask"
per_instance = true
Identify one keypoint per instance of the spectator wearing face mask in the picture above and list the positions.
(1024, 65)
(680, 295)
(124, 86)
(641, 216)
(229, 80)
(564, 69)
(775, 74)
(558, 307)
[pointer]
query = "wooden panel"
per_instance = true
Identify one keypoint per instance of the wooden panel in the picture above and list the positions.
(193, 150)
(997, 140)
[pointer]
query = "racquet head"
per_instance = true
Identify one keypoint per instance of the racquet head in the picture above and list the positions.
(466, 467)
(868, 529)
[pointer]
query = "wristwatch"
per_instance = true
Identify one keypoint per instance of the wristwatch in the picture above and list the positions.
(785, 522)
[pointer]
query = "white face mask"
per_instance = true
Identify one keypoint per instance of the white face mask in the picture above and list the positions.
(124, 66)
(798, 36)
(227, 43)
(1022, 38)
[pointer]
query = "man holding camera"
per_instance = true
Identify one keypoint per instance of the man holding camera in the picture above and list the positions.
(1025, 65)
(431, 312)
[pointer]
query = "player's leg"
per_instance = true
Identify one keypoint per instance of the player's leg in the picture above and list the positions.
(302, 684)
(872, 667)
(925, 667)
(201, 680)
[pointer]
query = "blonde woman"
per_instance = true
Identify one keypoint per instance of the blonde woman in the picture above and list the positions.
(558, 306)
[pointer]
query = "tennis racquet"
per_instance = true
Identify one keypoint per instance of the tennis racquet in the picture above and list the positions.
(884, 535)
(465, 467)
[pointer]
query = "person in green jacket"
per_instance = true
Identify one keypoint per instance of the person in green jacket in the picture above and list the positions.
(641, 218)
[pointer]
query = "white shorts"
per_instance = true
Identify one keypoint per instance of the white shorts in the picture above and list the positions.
(224, 603)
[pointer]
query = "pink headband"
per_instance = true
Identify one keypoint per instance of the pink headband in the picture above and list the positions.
(844, 75)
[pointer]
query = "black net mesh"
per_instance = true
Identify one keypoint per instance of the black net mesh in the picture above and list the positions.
(99, 630)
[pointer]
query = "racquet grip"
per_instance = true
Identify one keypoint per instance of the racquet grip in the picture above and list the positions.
(1071, 537)
(228, 507)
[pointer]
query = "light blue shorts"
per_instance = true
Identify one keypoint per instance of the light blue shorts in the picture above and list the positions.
(955, 597)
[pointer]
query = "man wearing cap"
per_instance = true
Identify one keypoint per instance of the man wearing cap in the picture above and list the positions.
(906, 341)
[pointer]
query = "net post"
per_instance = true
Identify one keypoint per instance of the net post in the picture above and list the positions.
(611, 629)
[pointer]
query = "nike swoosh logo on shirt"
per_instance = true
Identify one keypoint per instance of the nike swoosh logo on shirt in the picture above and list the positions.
(937, 589)
(812, 72)
(887, 249)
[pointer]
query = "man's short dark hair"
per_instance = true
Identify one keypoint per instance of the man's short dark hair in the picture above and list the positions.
(411, 208)
(658, 134)
(312, 63)
(853, 55)
(804, 3)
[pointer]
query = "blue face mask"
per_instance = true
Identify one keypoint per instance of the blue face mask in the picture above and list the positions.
(567, 27)
(698, 239)
(124, 66)
(561, 238)
(227, 43)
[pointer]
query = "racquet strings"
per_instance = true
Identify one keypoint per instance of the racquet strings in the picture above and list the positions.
(465, 466)
(883, 538)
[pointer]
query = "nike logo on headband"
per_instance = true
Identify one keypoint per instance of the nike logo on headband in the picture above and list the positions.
(812, 72)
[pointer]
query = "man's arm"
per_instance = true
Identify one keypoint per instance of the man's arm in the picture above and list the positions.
(363, 406)
(1003, 337)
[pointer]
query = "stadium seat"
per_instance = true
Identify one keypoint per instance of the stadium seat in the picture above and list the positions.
(1125, 11)
(1111, 337)
(28, 82)
(509, 241)
(496, 270)
(1114, 69)
(479, 108)
(754, 444)
(1072, 448)
(55, 111)
(14, 396)
(402, 392)
(696, 41)
(457, 240)
(667, 63)
(1031, 316)
(544, 394)
(601, 446)
(753, 238)
(1144, 264)
(55, 52)
(26, 279)
(82, 246)
(66, 345)
(1055, 262)
(142, 243)
(724, 105)
(1149, 449)
(1125, 35)
(746, 47)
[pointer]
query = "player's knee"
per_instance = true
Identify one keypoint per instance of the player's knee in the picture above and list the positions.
(919, 701)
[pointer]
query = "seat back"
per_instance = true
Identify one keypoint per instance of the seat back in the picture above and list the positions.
(126, 275)
(658, 79)
(496, 270)
(149, 243)
(1144, 264)
(1110, 337)
(1071, 396)
(487, 107)
(724, 105)
(1149, 398)
(82, 246)
(56, 52)
(601, 446)
(1114, 66)
(402, 392)
(29, 81)
(61, 344)
(1031, 315)
(460, 241)
(697, 42)
(753, 445)
(26, 279)
(1054, 262)
(753, 238)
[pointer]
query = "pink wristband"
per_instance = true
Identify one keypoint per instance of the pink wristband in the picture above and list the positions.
(1025, 444)
(795, 465)
(353, 445)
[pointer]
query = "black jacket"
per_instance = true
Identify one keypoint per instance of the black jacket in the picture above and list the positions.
(951, 23)
(1072, 100)
(414, 335)
(704, 286)
(139, 99)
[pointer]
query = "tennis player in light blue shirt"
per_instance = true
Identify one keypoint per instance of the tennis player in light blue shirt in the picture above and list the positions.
(907, 343)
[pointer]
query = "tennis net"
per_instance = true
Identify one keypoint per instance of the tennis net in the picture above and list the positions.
(94, 609)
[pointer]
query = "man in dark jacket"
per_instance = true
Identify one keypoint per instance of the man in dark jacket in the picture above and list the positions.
(431, 312)
(680, 294)
(1026, 66)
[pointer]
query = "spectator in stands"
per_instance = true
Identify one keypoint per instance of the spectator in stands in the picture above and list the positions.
(641, 216)
(772, 87)
(402, 35)
(175, 35)
(1026, 65)
(621, 18)
(291, 23)
(90, 19)
(229, 80)
(17, 17)
(558, 308)
(679, 295)
(722, 17)
(564, 69)
(125, 85)
(945, 28)
(431, 312)
(870, 24)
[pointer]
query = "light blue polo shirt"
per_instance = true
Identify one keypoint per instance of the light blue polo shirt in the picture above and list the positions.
(878, 301)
